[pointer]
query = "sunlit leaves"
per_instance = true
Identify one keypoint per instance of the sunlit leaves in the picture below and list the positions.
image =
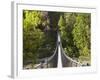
(38, 40)
(66, 23)
(75, 33)
(32, 18)
(81, 33)
(40, 29)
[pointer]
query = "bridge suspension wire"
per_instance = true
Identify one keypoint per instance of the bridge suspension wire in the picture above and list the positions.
(49, 61)
(68, 61)
(58, 59)
(55, 52)
(49, 58)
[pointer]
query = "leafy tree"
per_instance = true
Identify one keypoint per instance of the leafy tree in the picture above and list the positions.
(81, 33)
(40, 34)
(39, 38)
(32, 34)
(66, 24)
(75, 34)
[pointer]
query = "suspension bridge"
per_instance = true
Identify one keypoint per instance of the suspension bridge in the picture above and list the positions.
(58, 60)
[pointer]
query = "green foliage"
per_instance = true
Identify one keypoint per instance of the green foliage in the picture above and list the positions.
(75, 34)
(32, 18)
(66, 23)
(39, 39)
(32, 34)
(62, 23)
(40, 34)
(32, 41)
(81, 33)
(48, 45)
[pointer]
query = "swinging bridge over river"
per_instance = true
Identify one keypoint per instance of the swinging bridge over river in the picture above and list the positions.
(59, 59)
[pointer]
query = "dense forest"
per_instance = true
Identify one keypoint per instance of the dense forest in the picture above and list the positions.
(40, 35)
(75, 32)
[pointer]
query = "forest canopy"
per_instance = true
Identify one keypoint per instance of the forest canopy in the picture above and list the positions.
(40, 34)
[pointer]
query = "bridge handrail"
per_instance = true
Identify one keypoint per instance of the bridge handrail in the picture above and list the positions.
(53, 54)
(37, 66)
(49, 58)
(69, 57)
(66, 55)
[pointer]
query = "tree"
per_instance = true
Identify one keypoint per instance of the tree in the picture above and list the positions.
(81, 33)
(32, 34)
(66, 24)
(39, 38)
